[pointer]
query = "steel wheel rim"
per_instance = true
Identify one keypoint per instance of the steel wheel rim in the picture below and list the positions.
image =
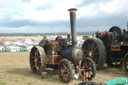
(64, 71)
(88, 69)
(126, 64)
(35, 61)
(92, 51)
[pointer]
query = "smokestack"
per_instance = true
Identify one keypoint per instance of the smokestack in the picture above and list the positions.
(72, 12)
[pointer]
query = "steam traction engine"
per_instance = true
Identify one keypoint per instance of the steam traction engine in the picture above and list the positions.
(63, 55)
(110, 47)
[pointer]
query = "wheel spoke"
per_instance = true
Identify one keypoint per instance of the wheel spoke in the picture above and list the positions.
(88, 73)
(93, 45)
(96, 53)
(38, 60)
(37, 68)
(88, 68)
(61, 70)
(86, 50)
(36, 53)
(89, 47)
(33, 66)
(96, 58)
(32, 57)
(95, 48)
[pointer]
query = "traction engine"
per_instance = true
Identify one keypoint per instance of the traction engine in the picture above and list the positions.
(110, 47)
(63, 55)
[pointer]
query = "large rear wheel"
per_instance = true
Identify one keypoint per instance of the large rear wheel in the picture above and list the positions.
(37, 59)
(95, 49)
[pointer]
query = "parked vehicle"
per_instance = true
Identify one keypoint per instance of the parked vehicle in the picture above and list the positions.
(64, 55)
(110, 47)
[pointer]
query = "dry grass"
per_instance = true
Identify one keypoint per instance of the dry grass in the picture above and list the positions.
(15, 70)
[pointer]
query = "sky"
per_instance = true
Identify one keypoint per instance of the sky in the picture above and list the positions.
(51, 16)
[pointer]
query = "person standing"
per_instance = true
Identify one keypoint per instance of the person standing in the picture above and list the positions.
(44, 43)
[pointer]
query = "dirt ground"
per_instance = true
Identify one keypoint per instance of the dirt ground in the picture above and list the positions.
(15, 70)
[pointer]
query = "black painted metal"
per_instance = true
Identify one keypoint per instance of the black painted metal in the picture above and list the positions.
(73, 24)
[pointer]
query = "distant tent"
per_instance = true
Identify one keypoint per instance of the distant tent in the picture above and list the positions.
(14, 48)
(22, 48)
(2, 49)
(28, 41)
(1, 43)
(7, 49)
(29, 48)
(35, 44)
(6, 43)
(18, 43)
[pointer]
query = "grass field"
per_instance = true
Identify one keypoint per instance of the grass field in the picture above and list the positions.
(15, 70)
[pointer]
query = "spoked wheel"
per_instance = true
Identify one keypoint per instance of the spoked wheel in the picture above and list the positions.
(125, 63)
(116, 29)
(90, 68)
(117, 63)
(36, 59)
(65, 71)
(95, 49)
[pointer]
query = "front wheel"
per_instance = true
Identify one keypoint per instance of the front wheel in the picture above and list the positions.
(65, 71)
(89, 68)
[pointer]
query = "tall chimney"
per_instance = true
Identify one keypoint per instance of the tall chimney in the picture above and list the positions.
(72, 12)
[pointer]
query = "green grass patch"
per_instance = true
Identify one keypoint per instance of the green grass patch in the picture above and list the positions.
(16, 80)
(29, 83)
(2, 82)
(22, 77)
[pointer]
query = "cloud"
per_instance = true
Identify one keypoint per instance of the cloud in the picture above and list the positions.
(101, 23)
(43, 10)
(88, 2)
(52, 15)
